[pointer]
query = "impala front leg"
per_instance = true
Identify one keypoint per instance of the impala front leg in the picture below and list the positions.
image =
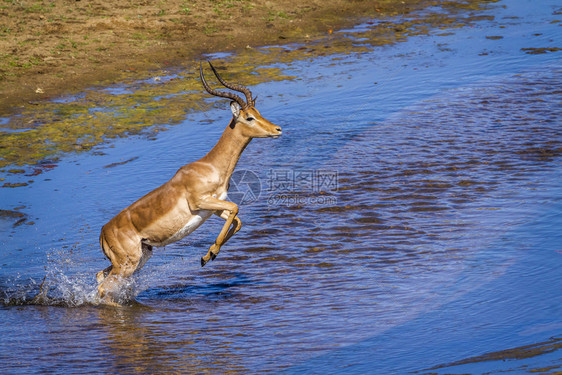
(236, 225)
(230, 210)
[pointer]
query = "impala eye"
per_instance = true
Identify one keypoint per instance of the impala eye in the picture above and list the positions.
(250, 119)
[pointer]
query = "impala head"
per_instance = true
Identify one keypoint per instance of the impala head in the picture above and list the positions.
(246, 116)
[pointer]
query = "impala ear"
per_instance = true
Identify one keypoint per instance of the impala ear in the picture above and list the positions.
(235, 108)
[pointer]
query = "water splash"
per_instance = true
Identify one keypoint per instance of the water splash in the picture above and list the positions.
(55, 289)
(65, 284)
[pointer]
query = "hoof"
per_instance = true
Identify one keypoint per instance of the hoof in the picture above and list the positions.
(213, 256)
(203, 262)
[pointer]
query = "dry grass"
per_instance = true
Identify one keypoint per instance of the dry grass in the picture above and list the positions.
(52, 47)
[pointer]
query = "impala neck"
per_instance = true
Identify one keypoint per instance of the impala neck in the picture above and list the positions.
(226, 153)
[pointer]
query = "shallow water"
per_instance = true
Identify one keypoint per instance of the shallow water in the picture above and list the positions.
(408, 220)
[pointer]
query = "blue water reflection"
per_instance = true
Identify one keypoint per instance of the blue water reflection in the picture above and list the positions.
(438, 244)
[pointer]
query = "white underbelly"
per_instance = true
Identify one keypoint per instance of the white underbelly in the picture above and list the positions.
(193, 223)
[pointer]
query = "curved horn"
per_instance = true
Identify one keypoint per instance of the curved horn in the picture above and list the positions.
(228, 95)
(239, 88)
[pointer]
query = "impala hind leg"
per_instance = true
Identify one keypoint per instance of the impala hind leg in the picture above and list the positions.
(100, 276)
(111, 288)
(124, 264)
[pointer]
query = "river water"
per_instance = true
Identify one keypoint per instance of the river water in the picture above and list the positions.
(408, 220)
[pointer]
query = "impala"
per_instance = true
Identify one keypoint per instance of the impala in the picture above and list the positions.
(197, 190)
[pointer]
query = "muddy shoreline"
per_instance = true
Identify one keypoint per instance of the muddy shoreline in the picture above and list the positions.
(53, 48)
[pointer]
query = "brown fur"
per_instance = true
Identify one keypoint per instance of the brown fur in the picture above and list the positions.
(194, 191)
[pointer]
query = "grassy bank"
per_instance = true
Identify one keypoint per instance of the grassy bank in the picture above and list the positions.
(158, 82)
(54, 47)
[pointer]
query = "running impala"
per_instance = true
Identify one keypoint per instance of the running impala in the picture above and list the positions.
(197, 190)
